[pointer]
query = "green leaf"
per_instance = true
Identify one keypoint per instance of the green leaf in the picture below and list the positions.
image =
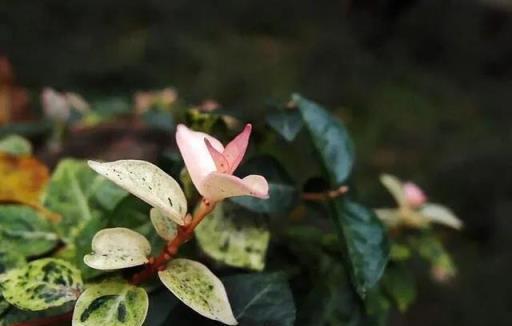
(235, 236)
(42, 284)
(15, 316)
(23, 231)
(261, 299)
(399, 284)
(286, 123)
(79, 194)
(8, 260)
(164, 226)
(430, 248)
(197, 287)
(82, 245)
(330, 139)
(112, 304)
(366, 242)
(15, 145)
(283, 194)
(160, 120)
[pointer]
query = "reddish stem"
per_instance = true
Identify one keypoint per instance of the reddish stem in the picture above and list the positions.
(171, 249)
(324, 196)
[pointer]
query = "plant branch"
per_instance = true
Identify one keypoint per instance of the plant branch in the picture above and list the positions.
(326, 195)
(171, 249)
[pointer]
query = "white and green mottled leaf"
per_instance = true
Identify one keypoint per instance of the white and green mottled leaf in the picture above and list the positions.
(439, 214)
(112, 304)
(22, 230)
(79, 194)
(15, 145)
(395, 187)
(197, 287)
(234, 236)
(117, 248)
(42, 284)
(8, 260)
(148, 182)
(164, 226)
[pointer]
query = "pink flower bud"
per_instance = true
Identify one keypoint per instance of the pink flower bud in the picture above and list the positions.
(414, 195)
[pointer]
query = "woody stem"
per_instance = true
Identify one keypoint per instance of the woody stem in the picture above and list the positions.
(326, 195)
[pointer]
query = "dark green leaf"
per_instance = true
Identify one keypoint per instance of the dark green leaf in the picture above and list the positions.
(261, 299)
(330, 139)
(399, 284)
(286, 123)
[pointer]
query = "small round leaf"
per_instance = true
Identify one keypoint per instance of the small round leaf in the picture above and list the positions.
(164, 226)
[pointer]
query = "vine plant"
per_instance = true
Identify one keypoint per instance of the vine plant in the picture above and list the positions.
(132, 217)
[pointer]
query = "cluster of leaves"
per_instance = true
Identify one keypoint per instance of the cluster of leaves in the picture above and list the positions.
(285, 260)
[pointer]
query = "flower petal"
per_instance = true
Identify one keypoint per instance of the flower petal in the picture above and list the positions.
(197, 158)
(436, 213)
(235, 150)
(220, 161)
(217, 186)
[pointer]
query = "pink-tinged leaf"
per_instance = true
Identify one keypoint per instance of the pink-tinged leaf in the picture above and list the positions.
(197, 158)
(414, 195)
(217, 186)
(220, 161)
(235, 150)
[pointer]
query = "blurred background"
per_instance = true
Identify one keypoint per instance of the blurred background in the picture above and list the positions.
(424, 86)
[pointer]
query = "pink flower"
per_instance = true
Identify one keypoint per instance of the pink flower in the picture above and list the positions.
(211, 165)
(55, 105)
(414, 195)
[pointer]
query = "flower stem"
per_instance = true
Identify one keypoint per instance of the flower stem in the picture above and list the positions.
(184, 233)
(326, 195)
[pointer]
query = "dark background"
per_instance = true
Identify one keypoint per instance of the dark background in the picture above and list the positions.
(424, 86)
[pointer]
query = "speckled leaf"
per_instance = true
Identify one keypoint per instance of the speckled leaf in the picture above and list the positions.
(261, 299)
(366, 241)
(235, 236)
(165, 228)
(24, 231)
(15, 145)
(117, 248)
(78, 194)
(287, 123)
(149, 183)
(395, 187)
(330, 139)
(112, 304)
(8, 260)
(197, 287)
(283, 194)
(42, 284)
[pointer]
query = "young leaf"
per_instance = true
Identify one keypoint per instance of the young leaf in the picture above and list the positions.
(283, 194)
(234, 236)
(366, 242)
(23, 231)
(197, 287)
(149, 183)
(395, 187)
(42, 284)
(165, 228)
(399, 283)
(112, 304)
(78, 194)
(436, 213)
(330, 139)
(117, 248)
(15, 145)
(261, 299)
(286, 123)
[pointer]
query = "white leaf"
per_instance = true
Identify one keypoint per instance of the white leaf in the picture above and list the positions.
(148, 182)
(164, 226)
(117, 248)
(439, 214)
(395, 187)
(197, 287)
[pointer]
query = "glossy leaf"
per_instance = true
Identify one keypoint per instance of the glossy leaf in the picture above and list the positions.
(286, 123)
(366, 242)
(261, 299)
(15, 145)
(42, 284)
(112, 304)
(330, 139)
(234, 236)
(197, 287)
(117, 248)
(149, 183)
(79, 194)
(25, 232)
(165, 228)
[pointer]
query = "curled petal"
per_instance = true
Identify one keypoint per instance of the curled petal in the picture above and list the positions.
(197, 158)
(220, 161)
(414, 196)
(235, 150)
(217, 186)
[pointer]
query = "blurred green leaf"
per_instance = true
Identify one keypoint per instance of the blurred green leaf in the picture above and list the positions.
(160, 120)
(330, 139)
(15, 145)
(399, 284)
(82, 245)
(430, 248)
(260, 299)
(286, 123)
